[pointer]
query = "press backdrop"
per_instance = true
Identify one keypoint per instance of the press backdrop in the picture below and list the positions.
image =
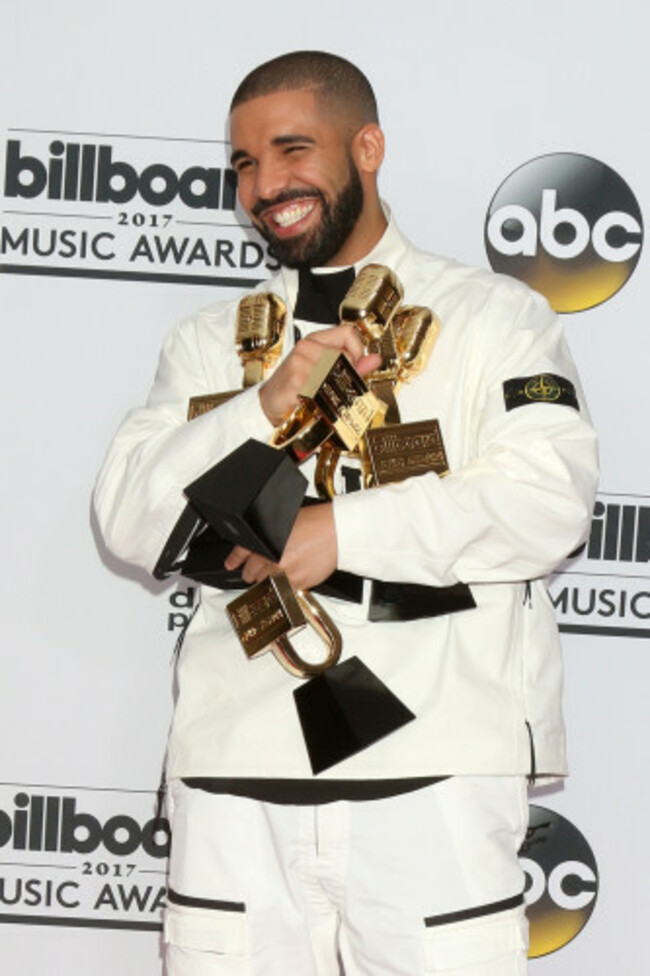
(516, 136)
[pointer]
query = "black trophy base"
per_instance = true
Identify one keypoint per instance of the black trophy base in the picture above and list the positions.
(345, 710)
(251, 497)
(204, 562)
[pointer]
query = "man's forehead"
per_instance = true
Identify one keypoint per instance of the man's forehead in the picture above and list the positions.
(286, 108)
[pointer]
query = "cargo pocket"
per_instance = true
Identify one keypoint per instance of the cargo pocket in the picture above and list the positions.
(205, 936)
(488, 941)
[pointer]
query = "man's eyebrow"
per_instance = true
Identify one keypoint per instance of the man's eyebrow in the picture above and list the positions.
(288, 140)
(291, 139)
(237, 155)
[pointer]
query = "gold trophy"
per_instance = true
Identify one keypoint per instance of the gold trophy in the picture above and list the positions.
(397, 450)
(259, 333)
(343, 707)
(271, 612)
(336, 405)
(371, 301)
(391, 451)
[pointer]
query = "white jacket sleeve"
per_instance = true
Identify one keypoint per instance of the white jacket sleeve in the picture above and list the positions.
(157, 452)
(520, 499)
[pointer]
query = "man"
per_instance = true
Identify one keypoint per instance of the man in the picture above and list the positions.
(401, 857)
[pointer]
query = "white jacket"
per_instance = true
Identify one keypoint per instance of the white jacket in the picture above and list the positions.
(484, 684)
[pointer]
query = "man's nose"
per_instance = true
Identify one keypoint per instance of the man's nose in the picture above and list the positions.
(271, 177)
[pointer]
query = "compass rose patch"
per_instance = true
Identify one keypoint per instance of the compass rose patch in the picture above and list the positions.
(542, 388)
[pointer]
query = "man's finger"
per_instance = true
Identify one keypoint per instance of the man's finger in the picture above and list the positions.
(236, 557)
(257, 568)
(368, 363)
(343, 337)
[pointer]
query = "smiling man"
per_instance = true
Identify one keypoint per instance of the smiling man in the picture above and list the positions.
(307, 155)
(401, 856)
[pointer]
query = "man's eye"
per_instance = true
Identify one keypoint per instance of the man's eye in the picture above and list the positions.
(242, 165)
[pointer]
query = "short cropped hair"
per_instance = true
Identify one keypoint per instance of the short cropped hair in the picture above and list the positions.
(332, 78)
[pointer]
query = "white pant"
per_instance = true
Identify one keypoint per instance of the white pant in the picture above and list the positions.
(425, 882)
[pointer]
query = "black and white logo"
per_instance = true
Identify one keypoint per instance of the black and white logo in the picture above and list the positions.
(129, 207)
(606, 588)
(81, 857)
(561, 881)
(569, 226)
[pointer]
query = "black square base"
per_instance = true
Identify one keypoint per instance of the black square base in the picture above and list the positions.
(204, 562)
(251, 497)
(345, 710)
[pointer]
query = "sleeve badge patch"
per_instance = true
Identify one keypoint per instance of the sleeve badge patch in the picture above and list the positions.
(543, 388)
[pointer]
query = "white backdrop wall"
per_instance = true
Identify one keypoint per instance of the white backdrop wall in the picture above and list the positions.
(468, 92)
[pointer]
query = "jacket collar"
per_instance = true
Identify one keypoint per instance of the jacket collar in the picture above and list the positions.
(389, 250)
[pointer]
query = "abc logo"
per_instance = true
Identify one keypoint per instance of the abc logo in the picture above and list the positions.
(561, 881)
(568, 226)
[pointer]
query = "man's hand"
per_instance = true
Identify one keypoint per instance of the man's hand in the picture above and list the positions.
(279, 394)
(309, 556)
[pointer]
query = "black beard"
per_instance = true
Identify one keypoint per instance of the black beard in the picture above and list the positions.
(314, 250)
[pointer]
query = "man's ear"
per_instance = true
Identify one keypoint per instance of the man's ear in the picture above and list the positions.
(368, 148)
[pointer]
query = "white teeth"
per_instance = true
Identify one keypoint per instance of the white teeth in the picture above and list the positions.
(292, 214)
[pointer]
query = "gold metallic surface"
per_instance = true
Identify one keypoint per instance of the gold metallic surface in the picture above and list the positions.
(328, 459)
(267, 615)
(334, 401)
(404, 337)
(353, 421)
(389, 368)
(320, 373)
(335, 388)
(416, 331)
(371, 301)
(259, 332)
(260, 327)
(265, 612)
(322, 623)
(302, 433)
(385, 390)
(391, 454)
(199, 405)
(254, 370)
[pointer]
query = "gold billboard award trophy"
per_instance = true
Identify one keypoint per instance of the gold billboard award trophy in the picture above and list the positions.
(402, 450)
(271, 612)
(343, 707)
(259, 333)
(404, 337)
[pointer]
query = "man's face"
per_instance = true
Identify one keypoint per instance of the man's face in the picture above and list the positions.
(296, 178)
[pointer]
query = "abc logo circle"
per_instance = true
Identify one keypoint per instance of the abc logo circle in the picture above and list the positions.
(567, 225)
(561, 881)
